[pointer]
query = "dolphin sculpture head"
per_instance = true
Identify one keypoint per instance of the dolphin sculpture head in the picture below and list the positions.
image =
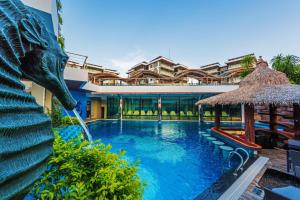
(44, 60)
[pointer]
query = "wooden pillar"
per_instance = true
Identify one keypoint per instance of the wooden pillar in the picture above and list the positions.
(218, 110)
(272, 110)
(249, 122)
(296, 108)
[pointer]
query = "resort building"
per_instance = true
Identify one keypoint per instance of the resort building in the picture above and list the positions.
(156, 90)
(213, 68)
(160, 65)
(230, 72)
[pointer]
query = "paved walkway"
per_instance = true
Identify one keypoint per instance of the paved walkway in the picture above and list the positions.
(277, 161)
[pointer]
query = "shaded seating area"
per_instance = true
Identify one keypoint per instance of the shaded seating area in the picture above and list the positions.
(263, 86)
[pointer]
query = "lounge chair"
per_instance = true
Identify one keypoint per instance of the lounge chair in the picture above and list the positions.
(136, 112)
(173, 113)
(156, 112)
(207, 114)
(224, 114)
(164, 113)
(149, 113)
(143, 112)
(129, 112)
(189, 113)
(295, 161)
(182, 113)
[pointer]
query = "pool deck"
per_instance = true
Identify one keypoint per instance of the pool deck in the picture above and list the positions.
(277, 160)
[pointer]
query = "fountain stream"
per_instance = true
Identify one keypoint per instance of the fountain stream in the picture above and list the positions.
(86, 133)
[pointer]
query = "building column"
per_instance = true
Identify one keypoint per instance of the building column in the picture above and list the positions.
(272, 110)
(218, 110)
(121, 108)
(200, 113)
(249, 123)
(159, 108)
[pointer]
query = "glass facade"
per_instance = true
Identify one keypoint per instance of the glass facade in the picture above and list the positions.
(140, 108)
(113, 107)
(229, 113)
(172, 108)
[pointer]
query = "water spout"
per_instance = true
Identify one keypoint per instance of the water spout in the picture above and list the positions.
(86, 132)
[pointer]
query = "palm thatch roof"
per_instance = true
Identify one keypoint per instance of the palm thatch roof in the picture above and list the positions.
(260, 78)
(279, 95)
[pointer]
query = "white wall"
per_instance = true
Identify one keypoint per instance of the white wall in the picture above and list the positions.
(176, 89)
(75, 74)
(44, 5)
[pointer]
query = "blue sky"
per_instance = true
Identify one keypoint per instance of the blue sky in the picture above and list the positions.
(120, 33)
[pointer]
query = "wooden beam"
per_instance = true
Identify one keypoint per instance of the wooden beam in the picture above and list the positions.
(272, 110)
(218, 110)
(249, 122)
(296, 108)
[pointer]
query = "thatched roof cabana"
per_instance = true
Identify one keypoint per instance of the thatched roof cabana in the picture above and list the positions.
(263, 86)
(261, 77)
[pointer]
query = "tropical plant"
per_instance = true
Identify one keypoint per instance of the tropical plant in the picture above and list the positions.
(247, 63)
(81, 170)
(55, 113)
(67, 120)
(289, 64)
(61, 39)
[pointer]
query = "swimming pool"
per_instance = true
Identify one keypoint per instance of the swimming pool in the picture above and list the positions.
(176, 161)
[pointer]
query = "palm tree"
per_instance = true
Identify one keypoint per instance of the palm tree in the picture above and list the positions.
(61, 39)
(289, 65)
(247, 64)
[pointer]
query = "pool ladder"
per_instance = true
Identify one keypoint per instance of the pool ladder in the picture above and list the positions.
(238, 152)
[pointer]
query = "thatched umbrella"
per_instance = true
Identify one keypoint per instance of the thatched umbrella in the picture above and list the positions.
(260, 78)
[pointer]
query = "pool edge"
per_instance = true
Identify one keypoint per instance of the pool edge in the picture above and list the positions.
(235, 191)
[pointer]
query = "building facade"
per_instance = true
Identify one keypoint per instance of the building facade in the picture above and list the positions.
(229, 72)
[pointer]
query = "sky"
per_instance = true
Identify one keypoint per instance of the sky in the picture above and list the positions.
(118, 34)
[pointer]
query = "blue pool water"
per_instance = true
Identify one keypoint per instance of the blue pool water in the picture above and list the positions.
(175, 161)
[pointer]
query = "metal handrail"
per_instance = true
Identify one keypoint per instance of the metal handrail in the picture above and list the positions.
(246, 152)
(235, 173)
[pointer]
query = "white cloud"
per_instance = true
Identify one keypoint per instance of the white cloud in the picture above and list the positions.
(124, 63)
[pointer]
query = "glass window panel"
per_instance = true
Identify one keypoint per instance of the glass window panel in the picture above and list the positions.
(170, 108)
(113, 107)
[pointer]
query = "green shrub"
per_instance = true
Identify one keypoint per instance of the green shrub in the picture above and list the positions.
(69, 120)
(81, 170)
